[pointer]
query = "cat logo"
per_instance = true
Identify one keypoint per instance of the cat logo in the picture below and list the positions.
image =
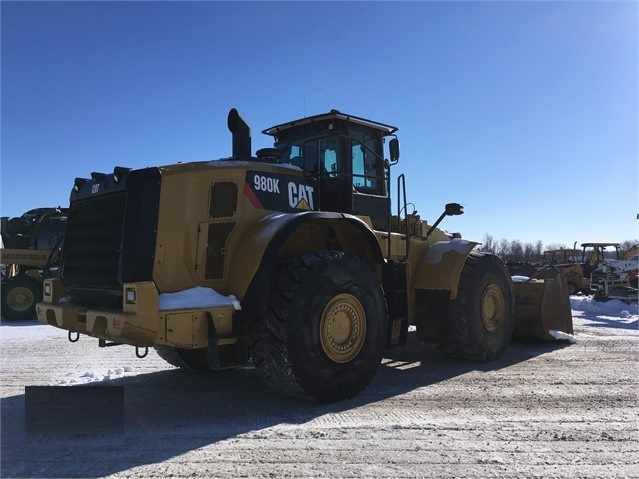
(279, 192)
(300, 196)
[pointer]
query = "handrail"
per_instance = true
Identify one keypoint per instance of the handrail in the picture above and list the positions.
(401, 205)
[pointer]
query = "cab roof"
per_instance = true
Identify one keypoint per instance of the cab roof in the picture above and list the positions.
(599, 244)
(331, 115)
(563, 250)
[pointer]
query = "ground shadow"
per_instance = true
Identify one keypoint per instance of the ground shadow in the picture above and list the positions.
(170, 412)
(603, 322)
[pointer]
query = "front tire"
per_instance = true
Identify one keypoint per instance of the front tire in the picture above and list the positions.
(481, 320)
(324, 330)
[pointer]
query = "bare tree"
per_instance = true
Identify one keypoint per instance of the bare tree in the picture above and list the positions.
(515, 251)
(626, 246)
(487, 245)
(503, 248)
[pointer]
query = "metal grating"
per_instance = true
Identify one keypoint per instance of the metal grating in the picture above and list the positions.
(93, 240)
(223, 200)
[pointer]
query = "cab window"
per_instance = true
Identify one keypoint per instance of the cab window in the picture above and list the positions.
(328, 156)
(368, 171)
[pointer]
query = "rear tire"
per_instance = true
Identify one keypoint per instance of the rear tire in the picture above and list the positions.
(481, 319)
(19, 297)
(324, 330)
(195, 359)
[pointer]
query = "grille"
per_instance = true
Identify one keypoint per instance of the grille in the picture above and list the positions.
(92, 242)
(223, 199)
(110, 239)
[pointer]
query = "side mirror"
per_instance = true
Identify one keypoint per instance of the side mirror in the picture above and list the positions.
(393, 147)
(454, 209)
(451, 209)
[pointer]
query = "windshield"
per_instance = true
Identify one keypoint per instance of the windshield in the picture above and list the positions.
(315, 155)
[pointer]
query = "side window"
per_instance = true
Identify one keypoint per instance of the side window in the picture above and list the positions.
(295, 156)
(367, 170)
(359, 167)
(328, 156)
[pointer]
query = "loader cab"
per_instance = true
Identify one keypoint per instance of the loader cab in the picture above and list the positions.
(345, 154)
(594, 253)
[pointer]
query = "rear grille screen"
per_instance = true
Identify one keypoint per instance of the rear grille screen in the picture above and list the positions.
(92, 241)
(110, 237)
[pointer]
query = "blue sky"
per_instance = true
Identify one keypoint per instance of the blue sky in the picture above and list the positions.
(524, 112)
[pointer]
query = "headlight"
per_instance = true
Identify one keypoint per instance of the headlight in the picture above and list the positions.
(131, 296)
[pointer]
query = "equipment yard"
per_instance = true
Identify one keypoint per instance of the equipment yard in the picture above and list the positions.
(544, 409)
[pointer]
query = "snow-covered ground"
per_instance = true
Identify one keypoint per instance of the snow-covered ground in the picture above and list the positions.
(613, 313)
(545, 409)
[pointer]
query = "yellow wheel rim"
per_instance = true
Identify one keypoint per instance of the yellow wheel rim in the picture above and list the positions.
(493, 307)
(342, 328)
(20, 298)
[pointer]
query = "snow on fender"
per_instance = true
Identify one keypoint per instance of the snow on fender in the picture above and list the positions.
(198, 297)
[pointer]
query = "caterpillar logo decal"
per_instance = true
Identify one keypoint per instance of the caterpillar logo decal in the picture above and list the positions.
(277, 192)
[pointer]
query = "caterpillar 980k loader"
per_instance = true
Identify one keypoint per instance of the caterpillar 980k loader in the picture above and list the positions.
(289, 261)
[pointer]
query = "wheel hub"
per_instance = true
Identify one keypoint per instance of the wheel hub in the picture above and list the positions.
(20, 299)
(343, 328)
(493, 307)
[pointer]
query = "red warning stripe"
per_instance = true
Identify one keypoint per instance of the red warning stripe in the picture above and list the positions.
(250, 194)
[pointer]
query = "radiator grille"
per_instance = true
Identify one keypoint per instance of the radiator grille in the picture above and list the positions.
(110, 237)
(93, 240)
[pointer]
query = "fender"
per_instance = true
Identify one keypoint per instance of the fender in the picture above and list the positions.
(255, 258)
(442, 265)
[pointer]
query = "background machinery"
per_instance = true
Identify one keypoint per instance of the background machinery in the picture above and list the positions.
(571, 263)
(290, 261)
(611, 277)
(30, 252)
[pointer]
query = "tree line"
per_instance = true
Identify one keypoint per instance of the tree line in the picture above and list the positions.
(520, 252)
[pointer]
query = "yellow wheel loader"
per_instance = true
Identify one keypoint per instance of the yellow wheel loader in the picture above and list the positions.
(30, 252)
(570, 262)
(290, 261)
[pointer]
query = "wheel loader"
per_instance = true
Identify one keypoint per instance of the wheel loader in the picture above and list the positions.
(30, 252)
(290, 261)
(568, 260)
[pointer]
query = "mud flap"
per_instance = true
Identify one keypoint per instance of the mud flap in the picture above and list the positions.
(543, 306)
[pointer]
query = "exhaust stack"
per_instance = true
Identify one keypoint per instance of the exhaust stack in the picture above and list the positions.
(241, 134)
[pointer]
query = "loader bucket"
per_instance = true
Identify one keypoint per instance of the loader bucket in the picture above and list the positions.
(542, 305)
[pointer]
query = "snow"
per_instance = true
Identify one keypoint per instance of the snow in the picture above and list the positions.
(523, 279)
(436, 252)
(198, 297)
(72, 379)
(561, 336)
(613, 314)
